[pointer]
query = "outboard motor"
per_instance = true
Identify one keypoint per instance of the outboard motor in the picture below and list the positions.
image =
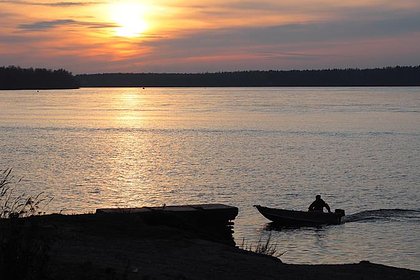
(340, 213)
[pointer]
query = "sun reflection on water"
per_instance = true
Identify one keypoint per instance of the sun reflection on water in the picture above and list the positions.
(128, 112)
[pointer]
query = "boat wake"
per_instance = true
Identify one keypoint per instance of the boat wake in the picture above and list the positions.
(384, 215)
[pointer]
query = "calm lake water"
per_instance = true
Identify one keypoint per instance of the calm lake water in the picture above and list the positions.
(127, 147)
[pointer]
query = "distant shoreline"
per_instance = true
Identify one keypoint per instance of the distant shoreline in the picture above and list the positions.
(326, 86)
(390, 76)
(15, 78)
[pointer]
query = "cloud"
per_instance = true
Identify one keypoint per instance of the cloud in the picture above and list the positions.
(267, 47)
(54, 4)
(240, 34)
(44, 25)
(47, 25)
(294, 33)
(17, 39)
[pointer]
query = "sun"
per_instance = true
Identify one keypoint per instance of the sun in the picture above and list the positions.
(129, 18)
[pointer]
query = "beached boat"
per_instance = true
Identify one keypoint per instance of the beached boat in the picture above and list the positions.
(211, 221)
(296, 218)
(193, 213)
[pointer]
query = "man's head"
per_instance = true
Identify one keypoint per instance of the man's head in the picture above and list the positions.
(318, 197)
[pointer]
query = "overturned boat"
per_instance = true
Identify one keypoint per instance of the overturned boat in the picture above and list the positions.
(297, 218)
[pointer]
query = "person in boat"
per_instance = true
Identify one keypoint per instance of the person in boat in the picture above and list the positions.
(319, 204)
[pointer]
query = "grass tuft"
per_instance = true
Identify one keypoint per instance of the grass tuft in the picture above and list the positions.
(262, 247)
(21, 205)
(24, 246)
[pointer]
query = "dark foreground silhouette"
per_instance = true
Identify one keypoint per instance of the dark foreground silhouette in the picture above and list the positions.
(319, 204)
(125, 247)
(286, 217)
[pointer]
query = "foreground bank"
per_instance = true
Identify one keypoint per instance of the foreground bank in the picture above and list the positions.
(127, 247)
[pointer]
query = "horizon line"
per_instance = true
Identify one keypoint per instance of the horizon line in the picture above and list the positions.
(269, 70)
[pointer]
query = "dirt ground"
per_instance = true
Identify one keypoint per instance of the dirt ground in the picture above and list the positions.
(117, 247)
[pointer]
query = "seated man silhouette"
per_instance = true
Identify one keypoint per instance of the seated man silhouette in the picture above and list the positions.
(319, 204)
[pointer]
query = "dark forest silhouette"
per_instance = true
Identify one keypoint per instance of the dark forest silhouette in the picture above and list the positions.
(13, 77)
(389, 76)
(19, 78)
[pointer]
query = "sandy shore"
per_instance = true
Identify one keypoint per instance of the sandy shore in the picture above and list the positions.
(104, 247)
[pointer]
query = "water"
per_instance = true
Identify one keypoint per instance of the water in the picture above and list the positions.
(357, 147)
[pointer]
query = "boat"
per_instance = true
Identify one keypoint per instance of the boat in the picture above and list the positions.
(297, 218)
(209, 221)
(192, 213)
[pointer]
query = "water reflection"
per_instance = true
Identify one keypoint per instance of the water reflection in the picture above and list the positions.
(291, 228)
(128, 109)
(312, 243)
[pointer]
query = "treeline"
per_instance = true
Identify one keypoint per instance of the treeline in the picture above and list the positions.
(389, 76)
(19, 78)
(13, 77)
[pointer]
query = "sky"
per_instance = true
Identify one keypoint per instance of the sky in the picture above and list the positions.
(208, 35)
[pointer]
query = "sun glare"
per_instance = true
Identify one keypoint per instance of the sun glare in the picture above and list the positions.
(129, 17)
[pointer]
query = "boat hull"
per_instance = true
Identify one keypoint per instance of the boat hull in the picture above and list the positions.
(296, 218)
(194, 213)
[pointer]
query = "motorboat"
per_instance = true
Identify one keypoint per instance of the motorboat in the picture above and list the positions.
(293, 217)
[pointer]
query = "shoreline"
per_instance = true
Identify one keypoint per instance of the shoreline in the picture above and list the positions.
(210, 86)
(89, 246)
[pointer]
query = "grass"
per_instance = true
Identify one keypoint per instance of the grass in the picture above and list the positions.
(24, 246)
(21, 205)
(266, 247)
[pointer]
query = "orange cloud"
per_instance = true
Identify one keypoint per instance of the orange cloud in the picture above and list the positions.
(83, 36)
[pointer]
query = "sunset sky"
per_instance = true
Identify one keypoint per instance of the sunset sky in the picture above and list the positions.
(200, 36)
